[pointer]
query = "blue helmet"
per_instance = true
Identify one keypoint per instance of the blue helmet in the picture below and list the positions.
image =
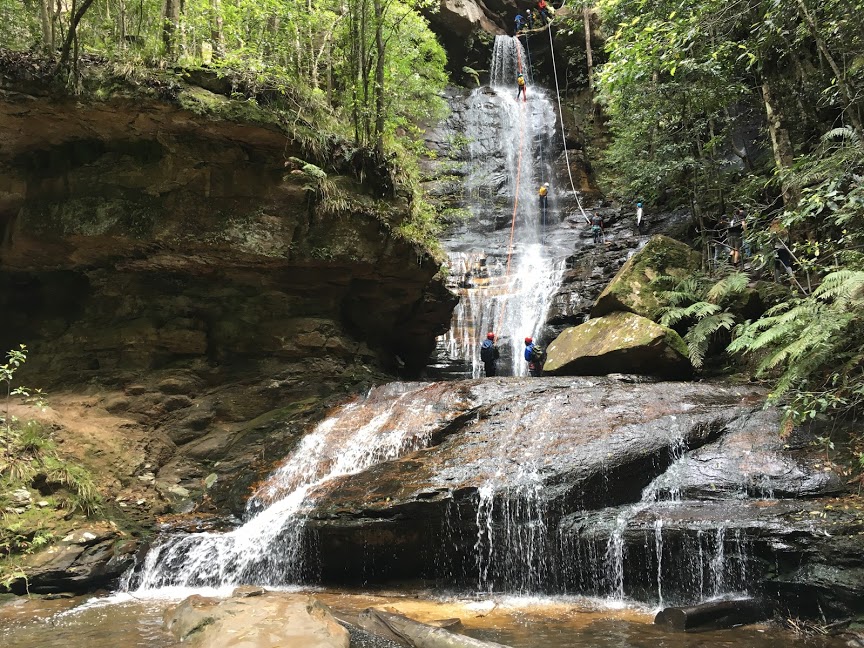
(638, 204)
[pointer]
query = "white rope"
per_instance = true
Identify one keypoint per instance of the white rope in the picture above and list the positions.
(563, 134)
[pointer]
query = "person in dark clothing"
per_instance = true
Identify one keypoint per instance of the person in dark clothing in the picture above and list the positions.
(529, 19)
(489, 355)
(597, 228)
(535, 357)
(734, 234)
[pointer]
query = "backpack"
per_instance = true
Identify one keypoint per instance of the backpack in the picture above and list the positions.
(487, 351)
(533, 354)
(520, 80)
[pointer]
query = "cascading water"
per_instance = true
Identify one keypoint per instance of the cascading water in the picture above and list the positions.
(503, 267)
(268, 549)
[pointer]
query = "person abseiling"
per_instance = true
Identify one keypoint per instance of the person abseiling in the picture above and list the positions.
(640, 218)
(520, 87)
(597, 227)
(535, 357)
(543, 193)
(489, 355)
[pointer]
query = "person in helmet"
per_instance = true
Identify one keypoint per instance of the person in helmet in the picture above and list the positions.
(543, 193)
(640, 218)
(489, 355)
(520, 87)
(535, 357)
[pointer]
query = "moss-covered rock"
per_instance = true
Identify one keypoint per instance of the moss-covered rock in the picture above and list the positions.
(630, 289)
(618, 343)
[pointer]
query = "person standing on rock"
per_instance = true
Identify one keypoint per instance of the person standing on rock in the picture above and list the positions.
(489, 355)
(535, 357)
(518, 20)
(597, 228)
(640, 219)
(543, 9)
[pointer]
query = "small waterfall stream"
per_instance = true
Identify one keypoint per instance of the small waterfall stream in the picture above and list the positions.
(268, 549)
(505, 275)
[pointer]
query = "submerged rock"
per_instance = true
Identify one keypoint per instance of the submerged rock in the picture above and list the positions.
(630, 289)
(270, 620)
(618, 343)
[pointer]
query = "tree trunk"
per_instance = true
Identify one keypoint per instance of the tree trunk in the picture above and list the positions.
(170, 21)
(589, 54)
(47, 32)
(216, 33)
(780, 141)
(379, 76)
(121, 23)
(77, 15)
(847, 93)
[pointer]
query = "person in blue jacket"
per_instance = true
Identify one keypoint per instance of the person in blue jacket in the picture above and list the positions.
(518, 20)
(534, 356)
(489, 355)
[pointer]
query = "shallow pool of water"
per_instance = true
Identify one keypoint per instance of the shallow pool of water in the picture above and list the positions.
(124, 622)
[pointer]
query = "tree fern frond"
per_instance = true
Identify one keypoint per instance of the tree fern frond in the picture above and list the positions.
(699, 337)
(841, 286)
(732, 284)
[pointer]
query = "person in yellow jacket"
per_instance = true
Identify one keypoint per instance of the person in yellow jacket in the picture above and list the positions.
(520, 85)
(543, 193)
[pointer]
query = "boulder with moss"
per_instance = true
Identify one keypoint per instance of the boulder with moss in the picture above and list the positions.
(630, 290)
(618, 343)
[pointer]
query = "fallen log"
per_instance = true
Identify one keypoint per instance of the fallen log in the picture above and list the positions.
(421, 635)
(714, 615)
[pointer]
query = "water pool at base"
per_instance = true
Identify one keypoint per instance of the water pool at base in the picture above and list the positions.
(517, 622)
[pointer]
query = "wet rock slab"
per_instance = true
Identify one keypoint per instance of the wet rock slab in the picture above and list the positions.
(564, 443)
(268, 620)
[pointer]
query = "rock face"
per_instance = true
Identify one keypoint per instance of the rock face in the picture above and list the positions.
(89, 558)
(195, 282)
(137, 232)
(268, 620)
(582, 485)
(618, 343)
(629, 290)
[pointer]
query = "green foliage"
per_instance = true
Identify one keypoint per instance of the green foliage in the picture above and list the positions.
(813, 346)
(696, 304)
(30, 454)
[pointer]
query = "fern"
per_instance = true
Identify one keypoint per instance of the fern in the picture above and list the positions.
(696, 303)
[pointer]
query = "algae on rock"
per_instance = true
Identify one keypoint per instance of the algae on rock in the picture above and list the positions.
(630, 290)
(618, 343)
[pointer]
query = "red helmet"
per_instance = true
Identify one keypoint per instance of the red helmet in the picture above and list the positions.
(529, 340)
(490, 335)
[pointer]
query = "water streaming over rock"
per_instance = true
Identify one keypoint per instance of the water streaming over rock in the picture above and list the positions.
(501, 261)
(268, 549)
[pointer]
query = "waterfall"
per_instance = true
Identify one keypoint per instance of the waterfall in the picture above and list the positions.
(268, 549)
(505, 288)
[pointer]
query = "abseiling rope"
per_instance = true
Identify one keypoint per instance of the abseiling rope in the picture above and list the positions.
(563, 134)
(518, 180)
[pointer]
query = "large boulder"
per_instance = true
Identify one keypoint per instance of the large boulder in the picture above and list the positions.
(630, 290)
(618, 343)
(247, 620)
